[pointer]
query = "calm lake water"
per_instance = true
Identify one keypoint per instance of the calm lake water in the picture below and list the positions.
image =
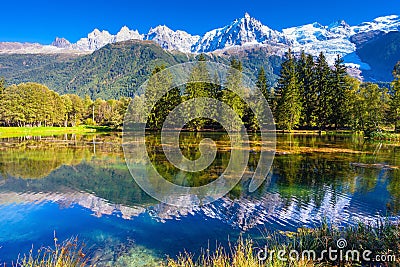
(81, 186)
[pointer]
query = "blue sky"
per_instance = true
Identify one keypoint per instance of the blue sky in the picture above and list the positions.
(41, 21)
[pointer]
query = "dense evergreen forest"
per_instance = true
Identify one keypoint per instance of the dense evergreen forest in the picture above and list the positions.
(310, 94)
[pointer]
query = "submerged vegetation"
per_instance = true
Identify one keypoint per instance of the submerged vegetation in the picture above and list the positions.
(305, 247)
(300, 173)
(382, 240)
(310, 95)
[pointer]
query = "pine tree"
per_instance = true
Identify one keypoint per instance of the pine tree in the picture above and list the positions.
(262, 83)
(395, 98)
(160, 81)
(309, 96)
(234, 83)
(198, 87)
(340, 88)
(323, 88)
(250, 120)
(215, 93)
(233, 88)
(288, 94)
(2, 85)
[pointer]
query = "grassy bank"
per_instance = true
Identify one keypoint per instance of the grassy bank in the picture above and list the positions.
(381, 239)
(67, 254)
(6, 132)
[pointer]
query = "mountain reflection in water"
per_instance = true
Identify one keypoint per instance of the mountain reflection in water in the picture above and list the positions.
(80, 185)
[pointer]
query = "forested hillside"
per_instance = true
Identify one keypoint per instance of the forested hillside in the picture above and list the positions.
(115, 70)
(111, 72)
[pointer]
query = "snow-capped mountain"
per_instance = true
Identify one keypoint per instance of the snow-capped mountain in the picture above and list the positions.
(244, 31)
(384, 24)
(61, 43)
(162, 35)
(126, 34)
(95, 40)
(336, 38)
(172, 40)
(35, 48)
(341, 27)
(315, 38)
(315, 32)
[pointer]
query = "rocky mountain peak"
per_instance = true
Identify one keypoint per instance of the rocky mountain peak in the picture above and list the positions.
(61, 43)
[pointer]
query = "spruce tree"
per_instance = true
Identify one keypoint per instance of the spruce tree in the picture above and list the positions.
(197, 87)
(340, 88)
(288, 94)
(322, 85)
(158, 82)
(395, 98)
(309, 96)
(262, 83)
(2, 85)
(250, 120)
(234, 83)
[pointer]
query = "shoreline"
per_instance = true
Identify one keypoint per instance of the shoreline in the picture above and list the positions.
(9, 132)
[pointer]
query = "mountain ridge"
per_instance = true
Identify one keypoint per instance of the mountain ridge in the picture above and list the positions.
(240, 31)
(337, 38)
(117, 69)
(245, 38)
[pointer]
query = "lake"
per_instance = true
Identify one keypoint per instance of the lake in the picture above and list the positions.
(80, 186)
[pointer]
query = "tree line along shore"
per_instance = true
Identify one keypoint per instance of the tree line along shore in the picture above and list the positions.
(309, 95)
